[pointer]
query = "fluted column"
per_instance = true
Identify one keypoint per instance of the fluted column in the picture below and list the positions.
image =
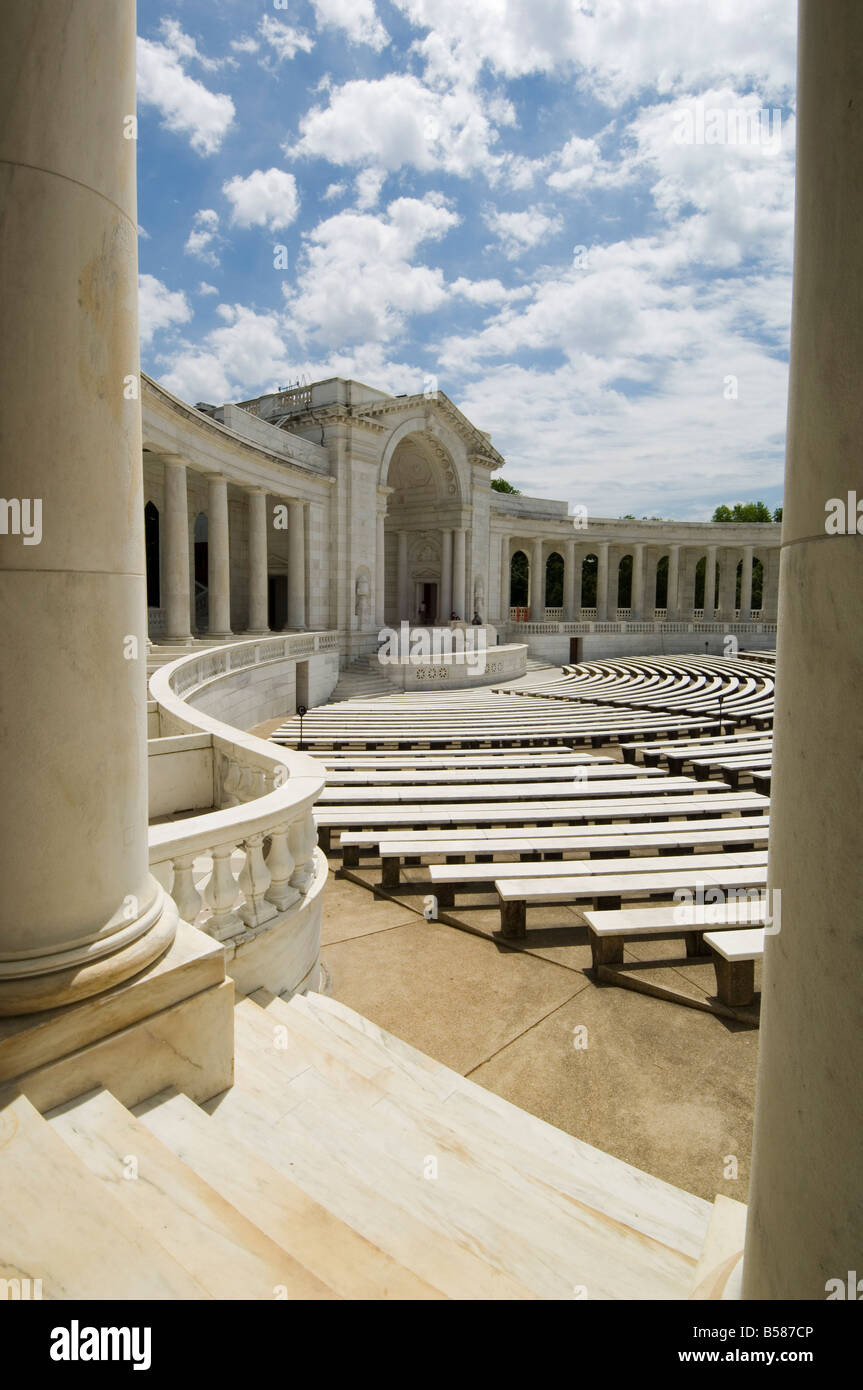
(258, 595)
(746, 586)
(637, 596)
(710, 584)
(536, 597)
(805, 1222)
(459, 576)
(445, 576)
(218, 558)
(176, 554)
(296, 567)
(380, 571)
(671, 601)
(569, 583)
(79, 909)
(602, 582)
(505, 578)
(403, 602)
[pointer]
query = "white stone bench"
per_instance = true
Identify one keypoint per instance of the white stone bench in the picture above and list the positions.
(570, 789)
(734, 956)
(446, 879)
(515, 894)
(652, 808)
(609, 930)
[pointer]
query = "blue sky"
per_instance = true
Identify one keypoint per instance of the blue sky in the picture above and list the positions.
(572, 216)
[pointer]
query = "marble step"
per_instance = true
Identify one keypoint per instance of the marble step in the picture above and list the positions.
(229, 1256)
(371, 1195)
(351, 1265)
(60, 1224)
(719, 1270)
(655, 1208)
(521, 1224)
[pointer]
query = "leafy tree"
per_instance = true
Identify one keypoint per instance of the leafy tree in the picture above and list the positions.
(501, 485)
(777, 515)
(743, 511)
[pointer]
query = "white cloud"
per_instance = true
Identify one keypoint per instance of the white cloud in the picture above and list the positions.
(356, 17)
(204, 236)
(205, 289)
(247, 44)
(266, 198)
(333, 190)
(184, 46)
(186, 106)
(398, 121)
(488, 291)
(518, 232)
(616, 49)
(368, 184)
(356, 281)
(285, 41)
(159, 307)
(245, 355)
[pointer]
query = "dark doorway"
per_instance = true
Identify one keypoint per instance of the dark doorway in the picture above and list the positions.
(302, 689)
(429, 598)
(575, 648)
(277, 601)
(151, 540)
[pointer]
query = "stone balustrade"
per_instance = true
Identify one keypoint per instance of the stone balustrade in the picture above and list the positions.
(248, 872)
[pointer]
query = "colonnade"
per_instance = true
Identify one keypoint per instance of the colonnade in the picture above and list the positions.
(177, 574)
(453, 595)
(720, 602)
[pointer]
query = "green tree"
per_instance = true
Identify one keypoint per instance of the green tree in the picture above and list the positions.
(501, 485)
(777, 515)
(743, 511)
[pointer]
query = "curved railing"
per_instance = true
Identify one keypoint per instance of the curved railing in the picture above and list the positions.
(262, 825)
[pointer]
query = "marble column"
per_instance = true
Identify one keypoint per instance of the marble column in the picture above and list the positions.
(536, 596)
(805, 1223)
(258, 587)
(218, 558)
(637, 597)
(602, 582)
(671, 602)
(728, 585)
(746, 585)
(770, 589)
(710, 584)
(569, 582)
(79, 909)
(459, 562)
(505, 578)
(405, 615)
(296, 567)
(445, 576)
(176, 554)
(380, 571)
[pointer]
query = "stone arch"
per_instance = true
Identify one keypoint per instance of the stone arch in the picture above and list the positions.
(519, 571)
(623, 590)
(554, 573)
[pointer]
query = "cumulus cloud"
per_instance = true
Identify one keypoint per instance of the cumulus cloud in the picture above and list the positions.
(368, 184)
(617, 50)
(159, 307)
(204, 236)
(186, 106)
(357, 280)
(518, 232)
(398, 121)
(266, 198)
(488, 291)
(205, 289)
(357, 18)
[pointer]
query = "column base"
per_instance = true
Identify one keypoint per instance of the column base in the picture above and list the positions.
(24, 993)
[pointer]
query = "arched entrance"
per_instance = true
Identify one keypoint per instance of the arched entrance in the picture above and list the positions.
(426, 564)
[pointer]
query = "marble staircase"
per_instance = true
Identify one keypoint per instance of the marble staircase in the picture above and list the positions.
(363, 678)
(342, 1163)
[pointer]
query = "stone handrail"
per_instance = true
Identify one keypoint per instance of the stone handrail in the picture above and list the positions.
(266, 795)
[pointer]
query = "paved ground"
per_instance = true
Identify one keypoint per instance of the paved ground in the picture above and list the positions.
(662, 1086)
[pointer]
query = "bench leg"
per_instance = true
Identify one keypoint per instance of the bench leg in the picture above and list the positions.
(445, 894)
(324, 838)
(351, 856)
(390, 872)
(513, 919)
(735, 980)
(606, 950)
(695, 943)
